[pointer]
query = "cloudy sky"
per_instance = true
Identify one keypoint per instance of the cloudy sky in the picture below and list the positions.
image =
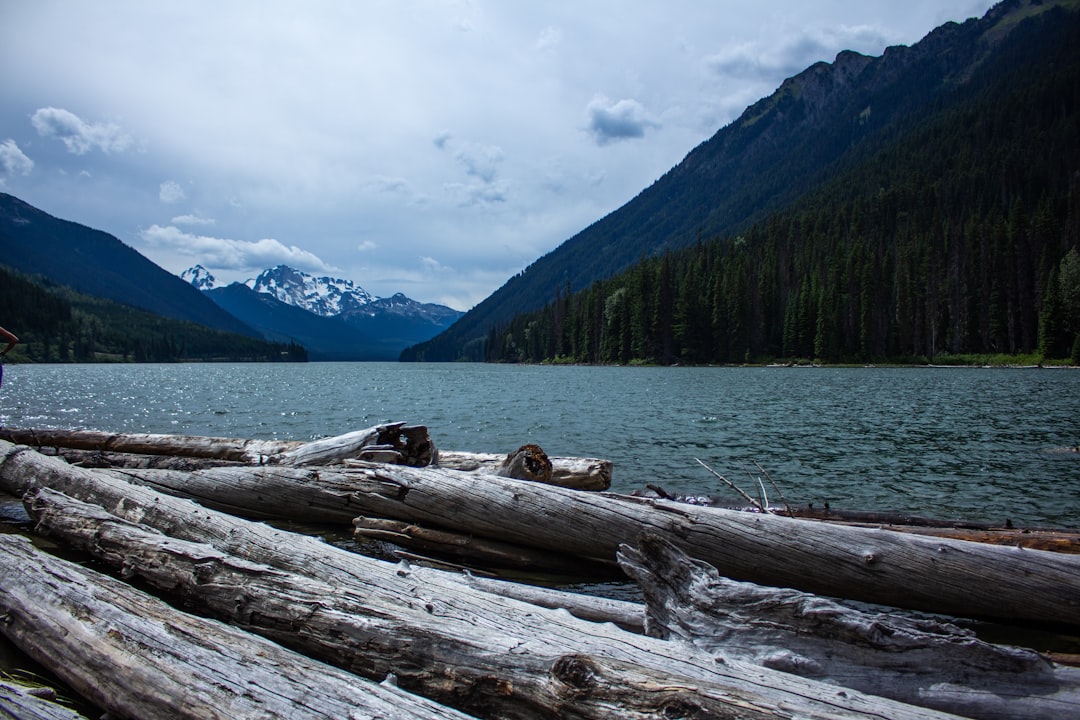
(431, 147)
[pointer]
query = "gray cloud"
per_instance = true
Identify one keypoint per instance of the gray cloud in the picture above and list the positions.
(13, 161)
(613, 121)
(80, 137)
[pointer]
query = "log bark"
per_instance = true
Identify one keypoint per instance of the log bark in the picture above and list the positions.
(918, 660)
(453, 643)
(874, 565)
(137, 657)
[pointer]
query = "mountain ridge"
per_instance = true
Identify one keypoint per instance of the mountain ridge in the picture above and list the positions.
(99, 264)
(334, 318)
(760, 163)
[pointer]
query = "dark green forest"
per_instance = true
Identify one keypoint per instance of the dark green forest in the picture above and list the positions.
(57, 324)
(960, 237)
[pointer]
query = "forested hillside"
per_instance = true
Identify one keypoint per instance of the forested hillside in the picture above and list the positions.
(58, 324)
(960, 235)
(828, 122)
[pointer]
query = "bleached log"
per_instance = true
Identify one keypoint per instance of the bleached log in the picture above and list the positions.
(475, 552)
(21, 702)
(573, 472)
(460, 654)
(918, 660)
(137, 657)
(234, 449)
(123, 449)
(626, 614)
(406, 445)
(937, 575)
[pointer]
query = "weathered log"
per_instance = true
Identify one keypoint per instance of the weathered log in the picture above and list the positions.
(874, 565)
(22, 702)
(626, 614)
(528, 462)
(460, 654)
(918, 660)
(407, 445)
(1061, 541)
(137, 657)
(123, 449)
(235, 449)
(476, 552)
(579, 473)
(395, 442)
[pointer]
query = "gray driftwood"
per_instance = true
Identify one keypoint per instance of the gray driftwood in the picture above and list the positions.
(453, 643)
(24, 702)
(392, 442)
(137, 657)
(474, 552)
(874, 565)
(919, 660)
(579, 473)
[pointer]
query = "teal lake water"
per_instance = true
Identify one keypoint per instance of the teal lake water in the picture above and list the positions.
(980, 444)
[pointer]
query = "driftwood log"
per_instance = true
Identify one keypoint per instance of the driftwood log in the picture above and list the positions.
(23, 702)
(474, 552)
(481, 652)
(918, 660)
(137, 657)
(874, 565)
(390, 442)
(393, 442)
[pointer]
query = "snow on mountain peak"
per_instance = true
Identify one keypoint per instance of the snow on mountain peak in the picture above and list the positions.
(323, 296)
(198, 276)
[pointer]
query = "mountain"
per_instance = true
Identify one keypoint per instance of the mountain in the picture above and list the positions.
(324, 296)
(824, 121)
(335, 319)
(952, 237)
(96, 263)
(198, 276)
(325, 338)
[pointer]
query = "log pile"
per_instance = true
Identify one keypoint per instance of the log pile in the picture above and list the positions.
(430, 643)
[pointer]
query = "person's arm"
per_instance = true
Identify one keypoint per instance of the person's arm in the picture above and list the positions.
(11, 339)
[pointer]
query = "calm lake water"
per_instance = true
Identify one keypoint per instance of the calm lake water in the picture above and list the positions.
(981, 444)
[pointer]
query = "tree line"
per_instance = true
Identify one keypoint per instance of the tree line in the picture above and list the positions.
(865, 284)
(57, 324)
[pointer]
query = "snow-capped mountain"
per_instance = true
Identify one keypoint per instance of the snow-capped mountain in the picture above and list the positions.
(324, 296)
(368, 327)
(198, 276)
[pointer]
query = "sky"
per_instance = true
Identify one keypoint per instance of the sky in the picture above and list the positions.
(430, 147)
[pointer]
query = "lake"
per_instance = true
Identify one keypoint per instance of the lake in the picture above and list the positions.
(979, 444)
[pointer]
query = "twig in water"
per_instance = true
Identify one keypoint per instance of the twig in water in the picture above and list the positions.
(776, 488)
(734, 487)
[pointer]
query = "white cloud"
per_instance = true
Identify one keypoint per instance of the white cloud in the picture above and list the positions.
(80, 137)
(622, 120)
(223, 253)
(192, 220)
(773, 59)
(367, 246)
(171, 192)
(13, 161)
